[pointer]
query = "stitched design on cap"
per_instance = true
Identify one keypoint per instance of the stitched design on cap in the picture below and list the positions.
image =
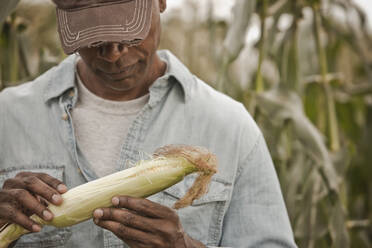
(74, 5)
(132, 28)
(105, 29)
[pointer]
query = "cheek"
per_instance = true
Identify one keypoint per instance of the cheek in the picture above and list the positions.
(88, 60)
(89, 55)
(149, 46)
(146, 53)
(142, 68)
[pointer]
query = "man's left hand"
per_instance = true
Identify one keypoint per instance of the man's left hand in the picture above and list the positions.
(143, 223)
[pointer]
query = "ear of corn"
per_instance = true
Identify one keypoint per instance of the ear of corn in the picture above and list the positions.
(170, 165)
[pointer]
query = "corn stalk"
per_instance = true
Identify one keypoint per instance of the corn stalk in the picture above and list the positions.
(235, 39)
(331, 109)
(14, 65)
(259, 79)
(293, 68)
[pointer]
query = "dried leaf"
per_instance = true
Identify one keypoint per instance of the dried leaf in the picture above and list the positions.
(282, 106)
(337, 227)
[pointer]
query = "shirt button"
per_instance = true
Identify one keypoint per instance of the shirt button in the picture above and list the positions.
(71, 93)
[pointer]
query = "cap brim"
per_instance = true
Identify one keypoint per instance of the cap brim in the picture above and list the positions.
(125, 22)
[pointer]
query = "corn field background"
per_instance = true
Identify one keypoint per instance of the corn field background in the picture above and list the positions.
(307, 80)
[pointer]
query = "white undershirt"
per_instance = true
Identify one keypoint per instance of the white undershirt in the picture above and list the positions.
(101, 127)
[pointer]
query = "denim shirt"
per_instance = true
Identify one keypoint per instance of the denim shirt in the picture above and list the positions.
(244, 206)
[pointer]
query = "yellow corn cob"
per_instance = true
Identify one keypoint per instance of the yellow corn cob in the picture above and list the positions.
(169, 166)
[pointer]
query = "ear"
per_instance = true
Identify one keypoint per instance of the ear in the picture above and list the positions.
(162, 5)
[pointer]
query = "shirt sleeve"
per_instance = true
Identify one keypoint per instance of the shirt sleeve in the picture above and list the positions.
(257, 216)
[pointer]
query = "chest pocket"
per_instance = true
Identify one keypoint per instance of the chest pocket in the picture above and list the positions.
(203, 219)
(49, 236)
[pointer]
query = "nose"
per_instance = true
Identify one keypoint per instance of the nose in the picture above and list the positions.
(112, 51)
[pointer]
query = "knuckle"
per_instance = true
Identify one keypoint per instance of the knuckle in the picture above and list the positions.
(41, 175)
(171, 214)
(129, 219)
(4, 210)
(19, 193)
(56, 182)
(175, 236)
(30, 180)
(179, 234)
(7, 199)
(22, 174)
(37, 207)
(167, 230)
(123, 201)
(110, 213)
(48, 193)
(141, 208)
(143, 205)
(48, 179)
(123, 230)
(146, 203)
(9, 183)
(11, 213)
(42, 201)
(127, 200)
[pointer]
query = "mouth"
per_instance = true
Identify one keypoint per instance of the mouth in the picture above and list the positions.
(124, 72)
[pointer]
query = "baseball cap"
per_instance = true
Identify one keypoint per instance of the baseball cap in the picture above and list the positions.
(88, 23)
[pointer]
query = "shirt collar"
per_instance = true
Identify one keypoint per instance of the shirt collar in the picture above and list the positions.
(63, 76)
(178, 71)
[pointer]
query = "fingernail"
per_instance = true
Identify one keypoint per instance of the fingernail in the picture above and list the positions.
(56, 198)
(47, 215)
(96, 221)
(98, 213)
(115, 201)
(62, 188)
(36, 228)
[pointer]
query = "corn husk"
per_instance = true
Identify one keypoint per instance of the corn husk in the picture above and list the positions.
(168, 167)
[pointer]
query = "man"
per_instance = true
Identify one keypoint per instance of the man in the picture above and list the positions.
(116, 99)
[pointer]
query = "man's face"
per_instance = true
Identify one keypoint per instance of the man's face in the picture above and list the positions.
(117, 68)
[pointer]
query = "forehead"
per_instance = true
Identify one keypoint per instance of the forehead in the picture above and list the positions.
(80, 4)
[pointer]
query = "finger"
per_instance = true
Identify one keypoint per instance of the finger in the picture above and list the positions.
(42, 200)
(15, 216)
(2, 223)
(144, 207)
(37, 186)
(53, 182)
(127, 233)
(49, 180)
(126, 218)
(14, 183)
(31, 204)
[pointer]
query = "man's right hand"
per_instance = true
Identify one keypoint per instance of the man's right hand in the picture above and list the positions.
(25, 195)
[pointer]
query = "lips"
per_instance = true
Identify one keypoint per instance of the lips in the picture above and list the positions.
(125, 72)
(126, 69)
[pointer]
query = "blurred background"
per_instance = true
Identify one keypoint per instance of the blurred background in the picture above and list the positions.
(302, 68)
